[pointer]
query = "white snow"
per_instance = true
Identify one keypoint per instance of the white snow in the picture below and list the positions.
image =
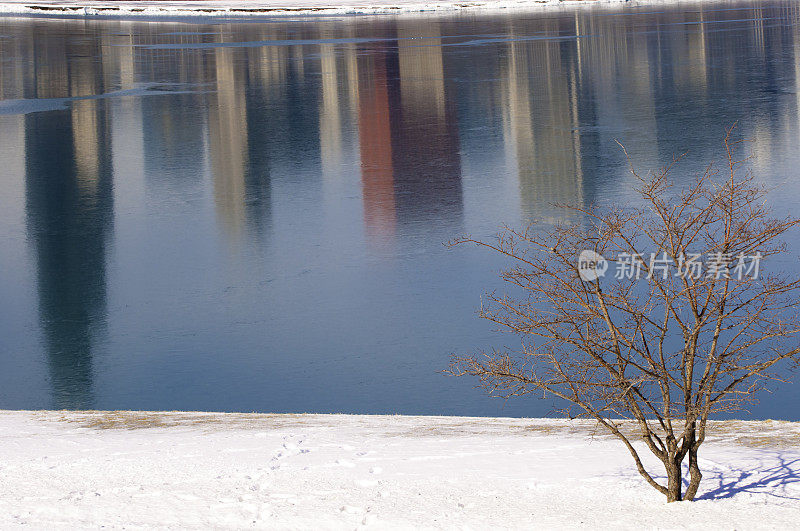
(246, 8)
(67, 470)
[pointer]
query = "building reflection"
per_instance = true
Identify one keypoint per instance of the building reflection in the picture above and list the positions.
(410, 161)
(332, 101)
(262, 116)
(174, 128)
(338, 134)
(645, 80)
(375, 141)
(228, 140)
(69, 206)
(425, 131)
(541, 125)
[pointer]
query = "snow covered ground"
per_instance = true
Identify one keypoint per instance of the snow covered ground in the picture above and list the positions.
(198, 470)
(246, 8)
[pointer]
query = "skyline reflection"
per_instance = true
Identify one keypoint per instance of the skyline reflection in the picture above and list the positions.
(256, 180)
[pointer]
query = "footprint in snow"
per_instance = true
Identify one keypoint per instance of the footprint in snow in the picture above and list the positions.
(295, 449)
(288, 449)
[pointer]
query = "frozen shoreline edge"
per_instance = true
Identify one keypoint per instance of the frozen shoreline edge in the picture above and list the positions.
(781, 433)
(375, 418)
(244, 10)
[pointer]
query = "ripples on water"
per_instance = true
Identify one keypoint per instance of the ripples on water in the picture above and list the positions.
(250, 216)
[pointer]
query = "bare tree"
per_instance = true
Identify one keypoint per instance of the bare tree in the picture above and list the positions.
(667, 348)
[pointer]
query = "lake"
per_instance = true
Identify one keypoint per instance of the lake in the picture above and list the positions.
(250, 215)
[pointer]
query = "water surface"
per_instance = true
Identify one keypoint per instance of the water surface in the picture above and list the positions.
(250, 216)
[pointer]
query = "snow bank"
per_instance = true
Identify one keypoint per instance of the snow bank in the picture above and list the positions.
(177, 470)
(249, 8)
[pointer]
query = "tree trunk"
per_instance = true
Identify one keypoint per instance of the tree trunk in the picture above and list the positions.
(674, 480)
(694, 473)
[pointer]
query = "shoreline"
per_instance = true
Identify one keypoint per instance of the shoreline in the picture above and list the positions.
(746, 432)
(242, 10)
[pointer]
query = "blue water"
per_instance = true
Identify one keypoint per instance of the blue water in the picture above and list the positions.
(250, 216)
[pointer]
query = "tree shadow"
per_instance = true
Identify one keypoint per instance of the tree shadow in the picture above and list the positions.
(770, 476)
